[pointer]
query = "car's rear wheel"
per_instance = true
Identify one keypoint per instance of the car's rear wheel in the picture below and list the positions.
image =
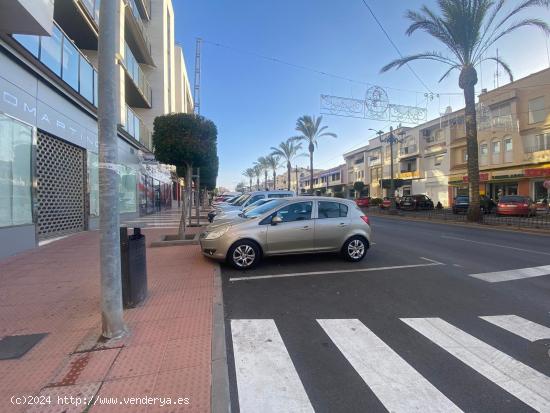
(355, 249)
(244, 255)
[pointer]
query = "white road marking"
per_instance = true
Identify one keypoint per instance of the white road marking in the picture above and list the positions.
(510, 275)
(396, 383)
(495, 245)
(356, 270)
(266, 378)
(520, 326)
(521, 381)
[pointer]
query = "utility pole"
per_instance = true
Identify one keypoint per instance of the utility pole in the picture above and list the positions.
(197, 82)
(112, 323)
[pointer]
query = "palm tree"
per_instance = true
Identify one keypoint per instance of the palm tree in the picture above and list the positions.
(311, 130)
(468, 28)
(249, 173)
(288, 151)
(274, 162)
(257, 173)
(264, 167)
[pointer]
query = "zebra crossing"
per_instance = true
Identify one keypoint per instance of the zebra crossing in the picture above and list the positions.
(267, 380)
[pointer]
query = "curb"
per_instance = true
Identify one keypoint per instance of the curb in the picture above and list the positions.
(220, 399)
(531, 231)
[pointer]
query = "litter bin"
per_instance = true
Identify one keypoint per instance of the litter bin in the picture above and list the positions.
(133, 267)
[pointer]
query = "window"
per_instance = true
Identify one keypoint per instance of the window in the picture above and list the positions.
(332, 210)
(496, 147)
(69, 72)
(15, 172)
(464, 155)
(508, 145)
(300, 211)
(438, 160)
(29, 42)
(483, 149)
(50, 52)
(536, 110)
(86, 80)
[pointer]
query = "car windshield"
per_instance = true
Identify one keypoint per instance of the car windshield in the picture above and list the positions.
(262, 209)
(513, 198)
(233, 200)
(241, 200)
(462, 199)
(256, 204)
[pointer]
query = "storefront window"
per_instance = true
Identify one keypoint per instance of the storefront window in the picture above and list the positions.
(70, 64)
(15, 172)
(86, 80)
(128, 190)
(50, 53)
(93, 183)
(540, 192)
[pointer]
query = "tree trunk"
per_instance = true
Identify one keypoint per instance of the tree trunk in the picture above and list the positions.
(250, 184)
(189, 195)
(258, 183)
(198, 192)
(183, 220)
(289, 171)
(112, 322)
(468, 80)
(311, 149)
(265, 181)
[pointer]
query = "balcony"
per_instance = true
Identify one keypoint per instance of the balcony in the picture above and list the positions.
(63, 59)
(408, 150)
(507, 123)
(80, 20)
(136, 34)
(138, 89)
(136, 128)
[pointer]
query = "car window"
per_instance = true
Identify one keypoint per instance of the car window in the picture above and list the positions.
(300, 211)
(278, 195)
(262, 209)
(462, 199)
(332, 210)
(254, 199)
(513, 198)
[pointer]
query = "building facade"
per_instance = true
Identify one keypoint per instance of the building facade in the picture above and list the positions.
(296, 174)
(328, 182)
(48, 118)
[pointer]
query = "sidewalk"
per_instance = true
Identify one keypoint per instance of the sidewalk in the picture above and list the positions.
(55, 289)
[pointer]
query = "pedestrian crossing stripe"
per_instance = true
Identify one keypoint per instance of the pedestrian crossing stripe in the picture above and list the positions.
(267, 380)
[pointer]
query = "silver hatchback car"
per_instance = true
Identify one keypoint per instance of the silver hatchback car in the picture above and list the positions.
(290, 226)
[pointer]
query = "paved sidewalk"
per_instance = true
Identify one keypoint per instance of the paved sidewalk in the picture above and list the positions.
(55, 289)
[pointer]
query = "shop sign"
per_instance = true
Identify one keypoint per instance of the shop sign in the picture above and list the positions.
(537, 172)
(408, 175)
(483, 177)
(509, 174)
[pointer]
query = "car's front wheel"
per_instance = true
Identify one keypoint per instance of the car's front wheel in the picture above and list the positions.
(244, 255)
(355, 249)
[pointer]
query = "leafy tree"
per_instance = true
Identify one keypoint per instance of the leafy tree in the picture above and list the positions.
(186, 141)
(241, 186)
(263, 164)
(467, 29)
(257, 173)
(358, 186)
(311, 130)
(274, 163)
(288, 151)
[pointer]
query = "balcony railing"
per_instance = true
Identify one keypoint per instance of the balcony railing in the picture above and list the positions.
(407, 150)
(505, 123)
(138, 22)
(92, 7)
(60, 55)
(136, 128)
(137, 75)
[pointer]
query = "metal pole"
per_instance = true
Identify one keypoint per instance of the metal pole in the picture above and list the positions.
(198, 193)
(112, 323)
(392, 182)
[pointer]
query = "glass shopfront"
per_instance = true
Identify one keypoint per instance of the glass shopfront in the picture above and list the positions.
(16, 140)
(127, 201)
(93, 184)
(539, 191)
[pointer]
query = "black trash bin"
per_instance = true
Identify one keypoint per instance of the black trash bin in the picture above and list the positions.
(133, 263)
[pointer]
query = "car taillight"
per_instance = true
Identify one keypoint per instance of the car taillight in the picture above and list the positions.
(365, 218)
(525, 205)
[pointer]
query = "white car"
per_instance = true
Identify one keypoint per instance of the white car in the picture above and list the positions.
(247, 199)
(235, 213)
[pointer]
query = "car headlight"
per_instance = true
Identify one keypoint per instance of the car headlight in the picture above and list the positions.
(216, 233)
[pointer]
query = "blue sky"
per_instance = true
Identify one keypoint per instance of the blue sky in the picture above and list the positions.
(255, 102)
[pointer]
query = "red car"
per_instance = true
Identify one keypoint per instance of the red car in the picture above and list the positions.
(363, 202)
(516, 205)
(386, 203)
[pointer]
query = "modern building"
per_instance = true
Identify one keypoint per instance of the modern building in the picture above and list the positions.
(513, 138)
(48, 115)
(296, 174)
(326, 181)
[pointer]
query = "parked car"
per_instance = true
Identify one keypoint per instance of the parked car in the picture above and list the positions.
(516, 205)
(416, 202)
(248, 199)
(290, 226)
(386, 203)
(234, 213)
(542, 205)
(363, 202)
(226, 197)
(462, 203)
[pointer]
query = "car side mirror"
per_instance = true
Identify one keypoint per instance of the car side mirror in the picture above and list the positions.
(276, 220)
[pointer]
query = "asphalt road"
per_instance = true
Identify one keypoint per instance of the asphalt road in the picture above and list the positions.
(400, 331)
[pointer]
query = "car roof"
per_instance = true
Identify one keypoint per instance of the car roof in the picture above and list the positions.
(320, 198)
(276, 191)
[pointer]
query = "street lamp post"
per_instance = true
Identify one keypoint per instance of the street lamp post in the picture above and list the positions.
(391, 139)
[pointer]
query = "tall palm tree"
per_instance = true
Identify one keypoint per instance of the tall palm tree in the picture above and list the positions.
(288, 151)
(274, 162)
(257, 173)
(264, 167)
(311, 130)
(467, 29)
(249, 173)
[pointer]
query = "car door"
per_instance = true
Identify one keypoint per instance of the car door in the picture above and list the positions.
(295, 232)
(331, 225)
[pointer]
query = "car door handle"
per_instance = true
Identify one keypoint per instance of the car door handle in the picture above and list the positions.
(305, 228)
(342, 224)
